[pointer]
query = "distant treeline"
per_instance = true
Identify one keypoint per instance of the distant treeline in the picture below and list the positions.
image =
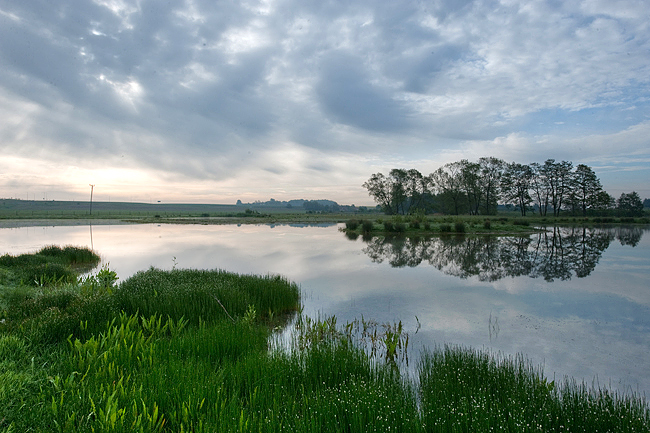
(321, 206)
(477, 188)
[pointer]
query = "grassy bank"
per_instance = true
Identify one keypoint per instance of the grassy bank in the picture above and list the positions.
(188, 350)
(426, 225)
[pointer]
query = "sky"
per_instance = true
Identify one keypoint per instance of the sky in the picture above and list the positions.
(204, 101)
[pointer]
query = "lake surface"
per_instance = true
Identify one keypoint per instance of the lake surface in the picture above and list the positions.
(575, 301)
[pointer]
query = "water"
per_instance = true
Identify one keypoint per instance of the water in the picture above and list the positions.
(575, 301)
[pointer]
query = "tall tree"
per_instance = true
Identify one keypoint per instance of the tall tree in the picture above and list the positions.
(471, 185)
(540, 187)
(447, 182)
(491, 171)
(418, 187)
(585, 187)
(380, 188)
(558, 178)
(516, 185)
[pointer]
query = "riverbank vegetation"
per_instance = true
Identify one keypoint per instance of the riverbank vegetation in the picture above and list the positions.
(419, 224)
(205, 351)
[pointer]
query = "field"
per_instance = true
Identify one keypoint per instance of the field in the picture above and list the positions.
(192, 350)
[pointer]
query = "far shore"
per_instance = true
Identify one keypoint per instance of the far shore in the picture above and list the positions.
(51, 222)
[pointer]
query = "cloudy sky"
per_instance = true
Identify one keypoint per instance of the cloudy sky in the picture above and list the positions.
(213, 101)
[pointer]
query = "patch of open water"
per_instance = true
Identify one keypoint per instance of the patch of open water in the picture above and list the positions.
(575, 301)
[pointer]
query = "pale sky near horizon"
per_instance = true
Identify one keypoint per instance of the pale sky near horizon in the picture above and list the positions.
(215, 101)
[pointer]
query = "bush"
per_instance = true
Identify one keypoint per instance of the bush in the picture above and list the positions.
(487, 224)
(415, 224)
(445, 228)
(388, 226)
(459, 227)
(351, 224)
(520, 222)
(366, 226)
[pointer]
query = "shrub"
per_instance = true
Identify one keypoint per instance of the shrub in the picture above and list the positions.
(487, 224)
(351, 224)
(415, 224)
(366, 226)
(388, 226)
(459, 227)
(521, 222)
(445, 228)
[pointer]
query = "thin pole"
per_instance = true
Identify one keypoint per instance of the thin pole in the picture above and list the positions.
(92, 187)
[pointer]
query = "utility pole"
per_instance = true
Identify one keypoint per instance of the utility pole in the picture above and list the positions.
(91, 197)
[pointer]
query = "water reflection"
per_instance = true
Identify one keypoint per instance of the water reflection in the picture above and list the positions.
(558, 253)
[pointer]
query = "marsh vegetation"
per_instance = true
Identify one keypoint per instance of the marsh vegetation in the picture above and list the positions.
(191, 350)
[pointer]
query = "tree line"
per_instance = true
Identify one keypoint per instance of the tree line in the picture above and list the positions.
(477, 188)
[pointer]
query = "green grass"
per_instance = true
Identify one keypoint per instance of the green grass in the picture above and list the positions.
(158, 353)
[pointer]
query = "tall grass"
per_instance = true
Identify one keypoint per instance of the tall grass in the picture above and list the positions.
(207, 295)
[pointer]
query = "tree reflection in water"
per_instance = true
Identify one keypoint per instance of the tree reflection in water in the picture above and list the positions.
(556, 253)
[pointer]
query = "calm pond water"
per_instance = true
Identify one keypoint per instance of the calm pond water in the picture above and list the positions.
(575, 301)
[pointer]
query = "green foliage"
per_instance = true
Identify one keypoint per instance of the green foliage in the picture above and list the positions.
(208, 295)
(468, 390)
(352, 224)
(459, 227)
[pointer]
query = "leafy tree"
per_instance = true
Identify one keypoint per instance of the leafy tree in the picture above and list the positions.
(400, 191)
(448, 183)
(629, 204)
(516, 185)
(585, 187)
(418, 188)
(558, 178)
(491, 171)
(381, 189)
(604, 202)
(471, 185)
(541, 188)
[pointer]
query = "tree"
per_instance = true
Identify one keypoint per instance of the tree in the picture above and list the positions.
(585, 187)
(418, 187)
(604, 202)
(471, 185)
(629, 204)
(558, 178)
(540, 187)
(448, 183)
(399, 192)
(380, 188)
(516, 185)
(490, 179)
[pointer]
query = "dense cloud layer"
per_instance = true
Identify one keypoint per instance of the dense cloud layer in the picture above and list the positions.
(214, 101)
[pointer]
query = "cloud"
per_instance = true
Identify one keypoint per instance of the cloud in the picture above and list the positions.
(193, 91)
